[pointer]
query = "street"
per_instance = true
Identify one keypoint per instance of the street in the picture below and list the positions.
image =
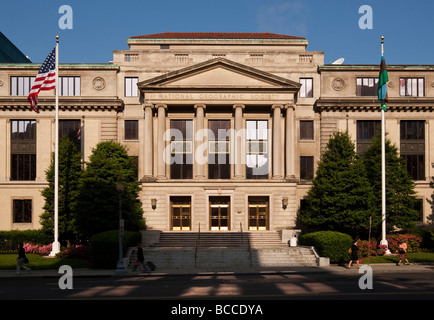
(253, 286)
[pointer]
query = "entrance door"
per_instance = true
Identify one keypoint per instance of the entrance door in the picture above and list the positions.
(180, 208)
(219, 211)
(258, 213)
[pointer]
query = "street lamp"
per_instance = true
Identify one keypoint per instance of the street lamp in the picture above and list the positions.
(120, 267)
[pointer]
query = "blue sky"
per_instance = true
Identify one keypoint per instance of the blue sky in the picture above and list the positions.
(332, 26)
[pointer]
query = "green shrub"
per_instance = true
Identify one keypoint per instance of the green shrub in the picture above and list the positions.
(9, 240)
(332, 244)
(104, 247)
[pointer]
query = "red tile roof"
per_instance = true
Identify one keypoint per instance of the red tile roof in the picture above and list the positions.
(216, 35)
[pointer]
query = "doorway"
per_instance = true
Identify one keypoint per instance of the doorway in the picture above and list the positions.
(180, 212)
(258, 213)
(219, 213)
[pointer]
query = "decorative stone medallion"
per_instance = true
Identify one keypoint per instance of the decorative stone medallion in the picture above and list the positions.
(1, 83)
(338, 84)
(98, 83)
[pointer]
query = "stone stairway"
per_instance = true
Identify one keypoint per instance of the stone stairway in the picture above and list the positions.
(189, 250)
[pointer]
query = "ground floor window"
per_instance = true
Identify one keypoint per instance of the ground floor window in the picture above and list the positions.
(22, 211)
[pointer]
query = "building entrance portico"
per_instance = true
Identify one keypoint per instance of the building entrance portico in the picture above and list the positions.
(218, 125)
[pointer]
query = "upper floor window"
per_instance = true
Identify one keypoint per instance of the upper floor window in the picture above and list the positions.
(69, 86)
(131, 89)
(306, 130)
(218, 152)
(72, 130)
(257, 149)
(306, 90)
(23, 150)
(21, 86)
(412, 87)
(131, 130)
(366, 130)
(366, 87)
(181, 146)
(412, 147)
(131, 57)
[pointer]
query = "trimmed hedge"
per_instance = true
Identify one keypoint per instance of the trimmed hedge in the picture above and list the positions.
(104, 247)
(332, 244)
(9, 240)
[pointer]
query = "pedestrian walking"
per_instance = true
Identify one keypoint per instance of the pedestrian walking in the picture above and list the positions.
(140, 258)
(22, 259)
(354, 255)
(402, 250)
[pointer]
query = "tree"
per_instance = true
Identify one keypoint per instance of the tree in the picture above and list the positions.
(97, 207)
(341, 198)
(69, 174)
(400, 194)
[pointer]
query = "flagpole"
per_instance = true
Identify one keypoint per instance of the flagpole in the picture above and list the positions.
(56, 245)
(383, 168)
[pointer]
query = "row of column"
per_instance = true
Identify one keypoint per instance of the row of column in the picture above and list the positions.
(277, 172)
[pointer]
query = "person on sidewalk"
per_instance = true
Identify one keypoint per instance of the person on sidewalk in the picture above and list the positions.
(402, 250)
(354, 255)
(22, 259)
(140, 258)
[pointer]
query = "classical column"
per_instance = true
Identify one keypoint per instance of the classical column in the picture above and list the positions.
(148, 141)
(239, 141)
(290, 143)
(277, 166)
(199, 138)
(161, 145)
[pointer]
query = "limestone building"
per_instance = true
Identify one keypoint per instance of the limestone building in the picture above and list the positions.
(226, 128)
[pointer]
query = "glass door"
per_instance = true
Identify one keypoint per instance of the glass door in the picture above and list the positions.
(258, 213)
(180, 208)
(219, 211)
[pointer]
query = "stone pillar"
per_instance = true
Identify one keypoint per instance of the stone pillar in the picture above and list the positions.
(199, 138)
(239, 141)
(148, 145)
(290, 143)
(277, 165)
(161, 144)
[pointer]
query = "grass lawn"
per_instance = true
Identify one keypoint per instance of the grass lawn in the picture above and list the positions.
(38, 262)
(418, 257)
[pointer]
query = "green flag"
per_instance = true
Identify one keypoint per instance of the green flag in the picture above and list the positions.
(382, 84)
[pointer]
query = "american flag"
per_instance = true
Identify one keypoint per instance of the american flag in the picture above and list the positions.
(45, 80)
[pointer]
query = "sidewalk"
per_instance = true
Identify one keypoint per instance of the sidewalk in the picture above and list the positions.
(332, 269)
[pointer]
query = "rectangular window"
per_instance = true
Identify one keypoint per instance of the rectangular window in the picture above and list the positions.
(72, 130)
(131, 129)
(366, 87)
(306, 90)
(131, 89)
(257, 149)
(412, 87)
(306, 130)
(69, 86)
(306, 168)
(366, 130)
(22, 211)
(23, 149)
(131, 57)
(218, 151)
(412, 147)
(181, 132)
(21, 86)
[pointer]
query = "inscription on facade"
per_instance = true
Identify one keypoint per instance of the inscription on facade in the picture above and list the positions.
(219, 96)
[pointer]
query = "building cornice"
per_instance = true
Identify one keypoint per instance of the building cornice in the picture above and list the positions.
(372, 104)
(65, 103)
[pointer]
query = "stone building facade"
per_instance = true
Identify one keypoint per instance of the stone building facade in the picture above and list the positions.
(226, 128)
